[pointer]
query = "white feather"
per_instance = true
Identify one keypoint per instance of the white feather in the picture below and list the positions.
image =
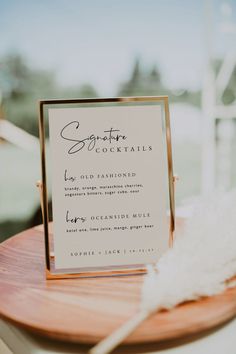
(202, 259)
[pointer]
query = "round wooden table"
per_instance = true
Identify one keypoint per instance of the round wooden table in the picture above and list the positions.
(87, 310)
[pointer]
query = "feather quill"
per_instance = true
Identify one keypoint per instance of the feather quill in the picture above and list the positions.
(200, 264)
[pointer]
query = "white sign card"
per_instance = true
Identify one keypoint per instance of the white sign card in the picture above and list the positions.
(109, 185)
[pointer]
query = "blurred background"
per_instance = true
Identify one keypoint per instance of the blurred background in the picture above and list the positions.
(185, 49)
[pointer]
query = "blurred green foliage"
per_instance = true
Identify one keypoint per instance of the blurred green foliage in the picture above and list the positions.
(21, 87)
(149, 83)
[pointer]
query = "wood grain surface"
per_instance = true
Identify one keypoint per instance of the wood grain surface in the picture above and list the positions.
(87, 310)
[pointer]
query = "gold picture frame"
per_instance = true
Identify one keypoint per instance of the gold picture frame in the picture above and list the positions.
(51, 273)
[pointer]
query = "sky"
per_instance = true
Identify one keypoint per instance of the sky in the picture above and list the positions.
(97, 41)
